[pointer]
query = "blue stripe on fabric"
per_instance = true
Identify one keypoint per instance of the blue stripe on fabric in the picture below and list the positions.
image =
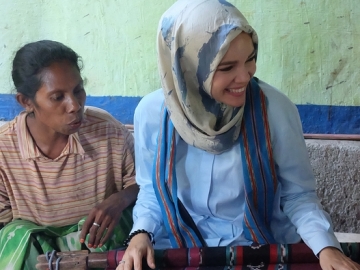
(163, 187)
(225, 3)
(319, 119)
(206, 56)
(261, 238)
(184, 229)
(256, 140)
(265, 172)
(264, 153)
(166, 30)
(169, 199)
(259, 174)
(179, 73)
(250, 134)
(171, 130)
(253, 140)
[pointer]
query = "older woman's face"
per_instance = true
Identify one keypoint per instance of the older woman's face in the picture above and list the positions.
(59, 102)
(234, 72)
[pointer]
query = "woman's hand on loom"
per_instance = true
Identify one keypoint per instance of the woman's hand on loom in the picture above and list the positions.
(104, 216)
(139, 247)
(333, 259)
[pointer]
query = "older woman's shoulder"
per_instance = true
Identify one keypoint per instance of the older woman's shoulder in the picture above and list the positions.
(96, 118)
(95, 114)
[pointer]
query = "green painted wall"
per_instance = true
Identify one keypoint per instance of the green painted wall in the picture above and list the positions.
(308, 48)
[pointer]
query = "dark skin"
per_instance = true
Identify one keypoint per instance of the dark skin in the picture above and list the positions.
(107, 214)
(56, 112)
(57, 104)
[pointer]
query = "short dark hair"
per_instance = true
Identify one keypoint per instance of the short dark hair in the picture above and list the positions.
(32, 58)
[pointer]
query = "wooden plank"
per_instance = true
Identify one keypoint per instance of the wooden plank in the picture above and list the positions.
(68, 262)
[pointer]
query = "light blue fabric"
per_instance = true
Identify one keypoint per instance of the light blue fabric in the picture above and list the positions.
(211, 186)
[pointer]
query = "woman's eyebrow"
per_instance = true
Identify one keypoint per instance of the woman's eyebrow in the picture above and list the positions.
(55, 90)
(227, 63)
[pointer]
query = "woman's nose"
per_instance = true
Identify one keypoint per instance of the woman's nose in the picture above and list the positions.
(73, 104)
(242, 75)
(245, 72)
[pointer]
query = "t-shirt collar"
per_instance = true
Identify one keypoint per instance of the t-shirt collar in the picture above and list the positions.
(28, 148)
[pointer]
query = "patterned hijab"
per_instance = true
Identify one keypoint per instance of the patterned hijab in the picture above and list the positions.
(189, 51)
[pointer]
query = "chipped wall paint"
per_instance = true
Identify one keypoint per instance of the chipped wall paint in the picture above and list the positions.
(307, 49)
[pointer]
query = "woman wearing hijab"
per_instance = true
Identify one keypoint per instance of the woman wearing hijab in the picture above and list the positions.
(220, 154)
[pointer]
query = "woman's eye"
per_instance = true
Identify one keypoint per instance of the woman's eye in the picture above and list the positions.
(250, 59)
(228, 68)
(57, 97)
(78, 91)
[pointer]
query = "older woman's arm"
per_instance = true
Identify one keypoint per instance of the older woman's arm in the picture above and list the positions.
(5, 207)
(107, 214)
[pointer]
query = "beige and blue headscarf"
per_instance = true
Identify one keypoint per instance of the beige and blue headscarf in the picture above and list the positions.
(193, 37)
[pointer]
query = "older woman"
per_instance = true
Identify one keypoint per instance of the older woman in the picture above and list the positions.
(220, 154)
(59, 162)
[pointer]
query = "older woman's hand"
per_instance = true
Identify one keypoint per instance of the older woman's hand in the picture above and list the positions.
(139, 247)
(106, 216)
(333, 259)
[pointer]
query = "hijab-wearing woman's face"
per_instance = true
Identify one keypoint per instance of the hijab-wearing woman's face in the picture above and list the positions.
(59, 103)
(234, 72)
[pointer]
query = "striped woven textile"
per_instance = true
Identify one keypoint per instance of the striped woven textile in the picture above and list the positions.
(256, 257)
(260, 179)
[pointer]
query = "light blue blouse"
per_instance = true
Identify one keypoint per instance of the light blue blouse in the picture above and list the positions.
(211, 186)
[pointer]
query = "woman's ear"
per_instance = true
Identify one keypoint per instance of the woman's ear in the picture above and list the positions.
(25, 102)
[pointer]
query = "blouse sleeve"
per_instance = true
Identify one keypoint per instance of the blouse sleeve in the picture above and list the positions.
(299, 200)
(147, 213)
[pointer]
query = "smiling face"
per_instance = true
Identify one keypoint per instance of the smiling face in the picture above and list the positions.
(234, 72)
(58, 105)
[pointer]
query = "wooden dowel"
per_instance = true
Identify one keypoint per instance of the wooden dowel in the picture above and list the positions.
(348, 137)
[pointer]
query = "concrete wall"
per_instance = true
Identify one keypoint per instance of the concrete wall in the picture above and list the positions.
(336, 166)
